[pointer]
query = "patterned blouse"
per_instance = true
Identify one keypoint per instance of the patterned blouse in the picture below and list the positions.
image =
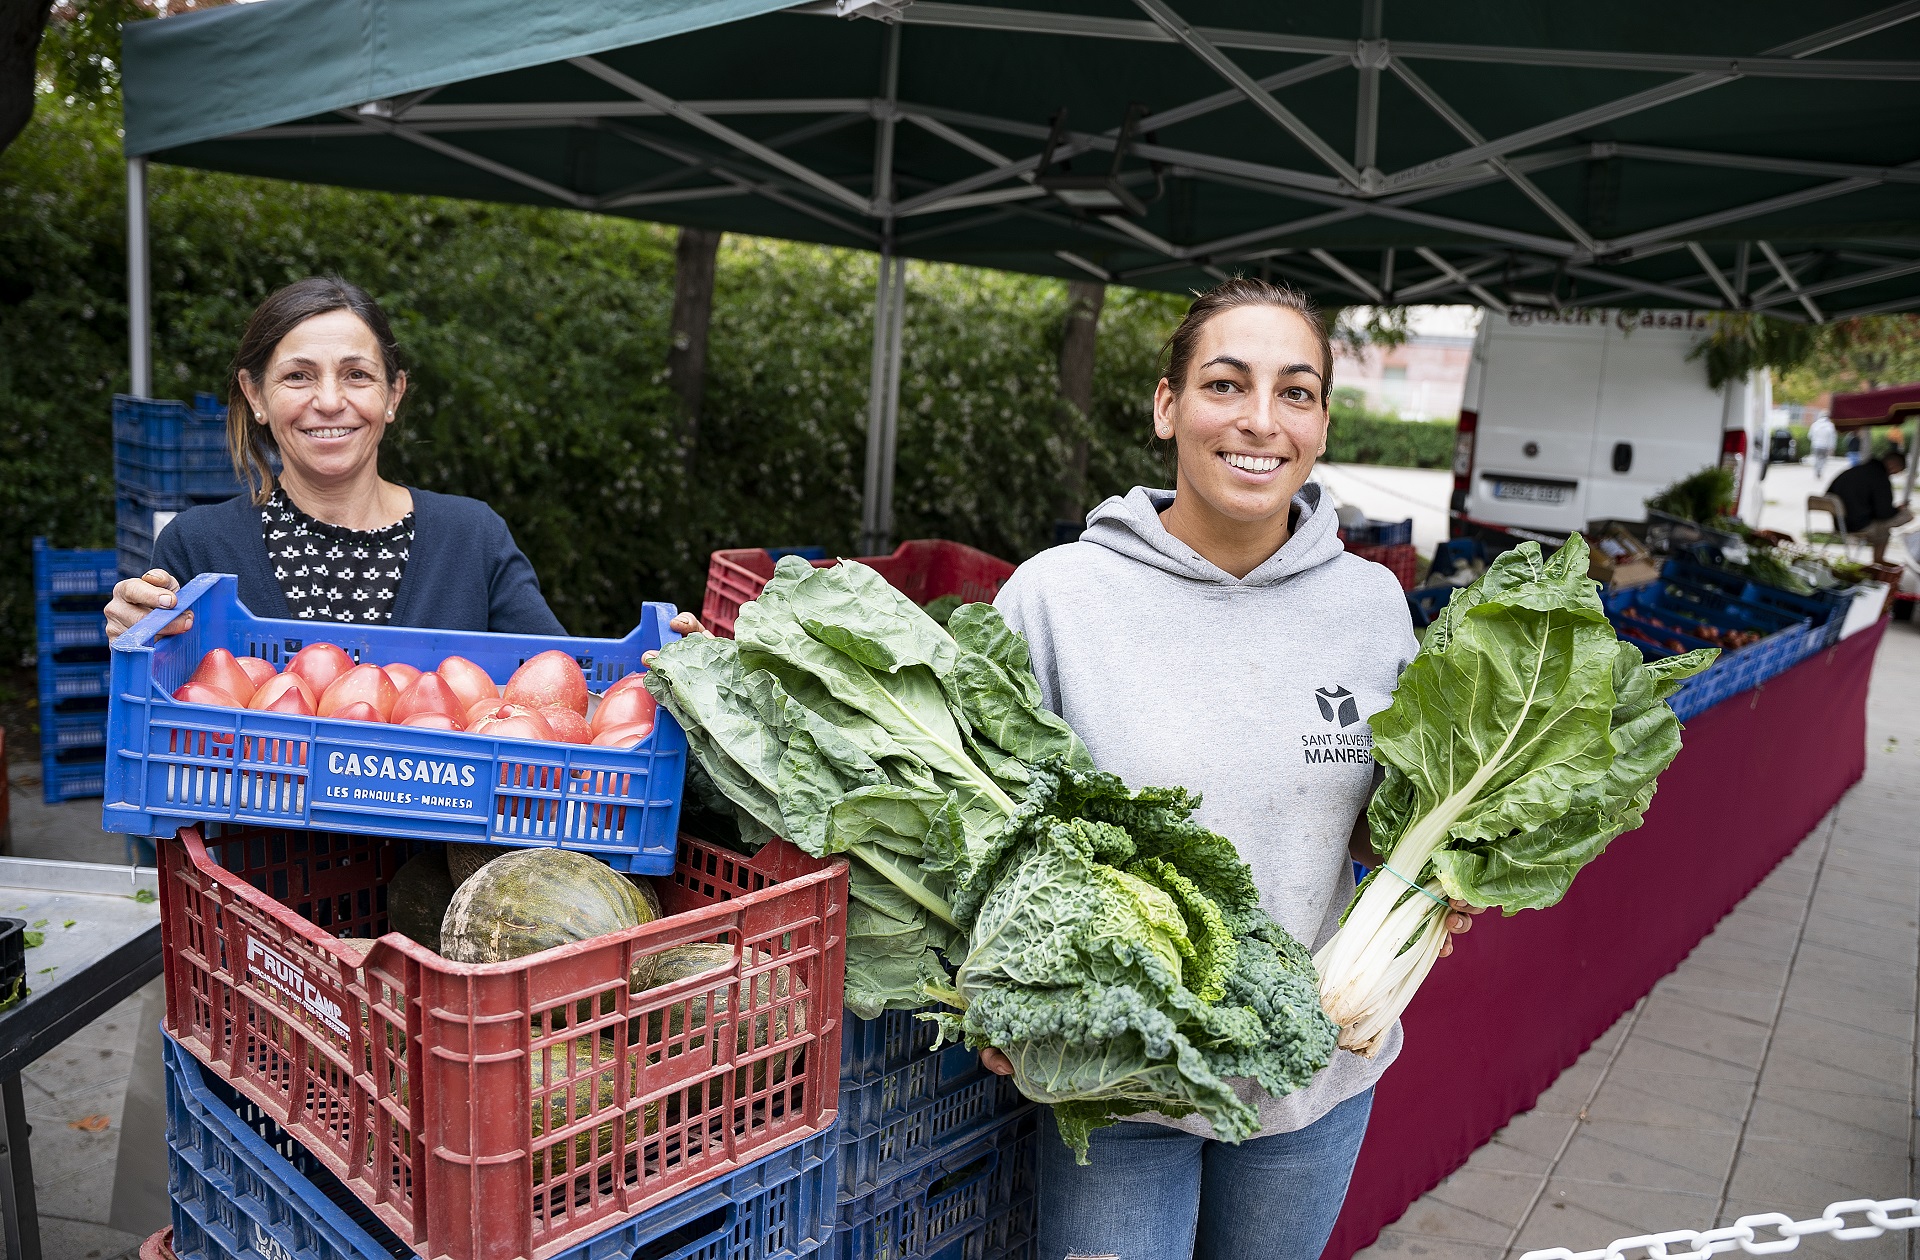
(329, 573)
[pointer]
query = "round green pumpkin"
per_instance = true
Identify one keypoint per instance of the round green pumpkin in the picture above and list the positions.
(418, 896)
(463, 860)
(529, 900)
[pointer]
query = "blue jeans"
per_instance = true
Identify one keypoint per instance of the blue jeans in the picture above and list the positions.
(1157, 1193)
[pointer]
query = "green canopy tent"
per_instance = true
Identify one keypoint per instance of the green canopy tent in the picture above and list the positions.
(1762, 155)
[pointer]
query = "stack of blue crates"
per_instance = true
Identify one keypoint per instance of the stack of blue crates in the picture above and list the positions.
(937, 1154)
(70, 588)
(167, 456)
(933, 1158)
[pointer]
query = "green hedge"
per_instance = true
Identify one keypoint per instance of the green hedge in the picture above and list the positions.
(1361, 437)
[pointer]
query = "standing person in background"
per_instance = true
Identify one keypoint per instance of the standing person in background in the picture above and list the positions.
(1820, 436)
(1271, 637)
(1855, 448)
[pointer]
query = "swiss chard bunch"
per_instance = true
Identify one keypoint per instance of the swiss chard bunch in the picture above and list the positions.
(1113, 948)
(1521, 739)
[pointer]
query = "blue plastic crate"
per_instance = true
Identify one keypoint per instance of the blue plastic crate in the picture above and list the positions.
(58, 572)
(81, 674)
(242, 1186)
(70, 774)
(1390, 533)
(1827, 610)
(908, 1116)
(871, 1048)
(1685, 610)
(78, 724)
(57, 629)
(1425, 603)
(975, 1200)
(164, 449)
(805, 553)
(176, 765)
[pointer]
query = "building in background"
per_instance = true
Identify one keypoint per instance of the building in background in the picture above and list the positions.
(1422, 378)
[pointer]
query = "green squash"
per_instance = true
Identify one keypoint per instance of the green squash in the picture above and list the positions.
(528, 900)
(465, 859)
(418, 896)
(567, 1104)
(649, 895)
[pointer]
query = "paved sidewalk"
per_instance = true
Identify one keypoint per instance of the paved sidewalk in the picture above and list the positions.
(1774, 1070)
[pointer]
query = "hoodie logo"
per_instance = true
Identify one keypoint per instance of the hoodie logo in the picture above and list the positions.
(1337, 705)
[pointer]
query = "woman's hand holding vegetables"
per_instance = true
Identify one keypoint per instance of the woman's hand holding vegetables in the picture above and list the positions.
(996, 1062)
(1459, 920)
(134, 598)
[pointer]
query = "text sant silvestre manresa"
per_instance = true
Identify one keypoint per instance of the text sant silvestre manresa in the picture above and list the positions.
(1345, 747)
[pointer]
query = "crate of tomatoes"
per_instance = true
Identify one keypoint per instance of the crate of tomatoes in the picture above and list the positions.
(524, 740)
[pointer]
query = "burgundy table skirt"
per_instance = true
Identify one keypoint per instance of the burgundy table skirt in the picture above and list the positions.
(1523, 997)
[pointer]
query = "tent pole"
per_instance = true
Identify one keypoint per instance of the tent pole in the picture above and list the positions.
(890, 422)
(883, 390)
(139, 282)
(871, 509)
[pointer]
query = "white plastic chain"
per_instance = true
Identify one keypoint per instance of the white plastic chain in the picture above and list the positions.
(1744, 1234)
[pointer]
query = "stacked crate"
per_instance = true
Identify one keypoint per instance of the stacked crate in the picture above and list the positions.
(323, 1072)
(937, 1154)
(168, 456)
(70, 588)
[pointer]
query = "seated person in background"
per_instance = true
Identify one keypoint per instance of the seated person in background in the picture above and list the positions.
(1866, 491)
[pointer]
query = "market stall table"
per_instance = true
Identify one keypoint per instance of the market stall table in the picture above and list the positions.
(76, 976)
(1524, 996)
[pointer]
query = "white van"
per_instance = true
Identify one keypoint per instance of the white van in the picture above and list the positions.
(1581, 415)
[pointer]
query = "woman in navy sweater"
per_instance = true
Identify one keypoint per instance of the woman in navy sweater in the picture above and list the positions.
(316, 383)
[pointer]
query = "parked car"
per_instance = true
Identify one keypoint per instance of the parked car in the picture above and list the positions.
(1783, 447)
(1579, 415)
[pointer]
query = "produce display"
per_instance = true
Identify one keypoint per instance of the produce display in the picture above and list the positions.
(1110, 945)
(546, 699)
(1522, 738)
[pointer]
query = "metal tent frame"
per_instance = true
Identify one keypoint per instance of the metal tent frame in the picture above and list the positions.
(1779, 181)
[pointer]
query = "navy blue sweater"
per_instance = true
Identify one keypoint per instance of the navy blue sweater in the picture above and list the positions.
(463, 571)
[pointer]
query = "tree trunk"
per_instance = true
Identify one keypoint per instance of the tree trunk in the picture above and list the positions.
(1084, 300)
(21, 23)
(692, 309)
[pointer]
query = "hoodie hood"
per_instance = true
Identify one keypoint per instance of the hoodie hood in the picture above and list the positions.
(1130, 526)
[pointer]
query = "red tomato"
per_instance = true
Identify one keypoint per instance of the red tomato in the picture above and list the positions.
(403, 675)
(636, 679)
(272, 693)
(218, 669)
(511, 721)
(429, 694)
(469, 681)
(623, 736)
(624, 708)
(431, 720)
(207, 693)
(358, 711)
(568, 727)
(257, 669)
(481, 708)
(363, 684)
(549, 680)
(319, 664)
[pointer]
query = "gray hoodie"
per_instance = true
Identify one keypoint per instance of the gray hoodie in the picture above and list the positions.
(1253, 691)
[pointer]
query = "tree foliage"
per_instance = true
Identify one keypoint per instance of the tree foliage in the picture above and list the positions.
(537, 341)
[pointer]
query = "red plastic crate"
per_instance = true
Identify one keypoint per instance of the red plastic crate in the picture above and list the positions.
(641, 1097)
(922, 570)
(1400, 557)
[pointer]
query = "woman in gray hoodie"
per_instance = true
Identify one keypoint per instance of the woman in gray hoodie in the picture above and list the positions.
(1220, 637)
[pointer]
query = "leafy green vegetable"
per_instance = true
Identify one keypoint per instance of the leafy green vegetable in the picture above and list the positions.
(1699, 497)
(1521, 740)
(941, 609)
(1110, 945)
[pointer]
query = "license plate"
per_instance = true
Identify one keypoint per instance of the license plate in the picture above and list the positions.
(1548, 492)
